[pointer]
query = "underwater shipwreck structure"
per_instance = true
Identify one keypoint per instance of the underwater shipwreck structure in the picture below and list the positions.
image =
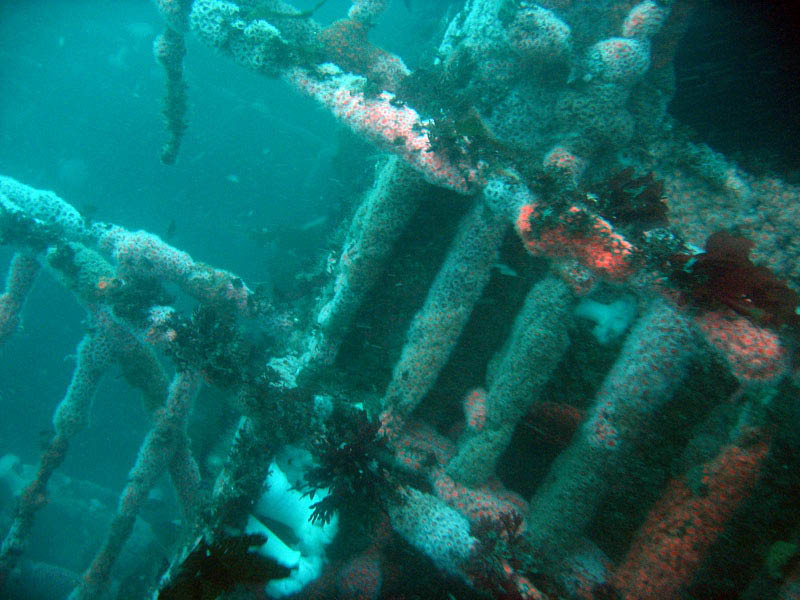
(553, 357)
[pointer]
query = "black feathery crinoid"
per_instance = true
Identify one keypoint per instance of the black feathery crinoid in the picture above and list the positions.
(214, 342)
(352, 464)
(504, 563)
(634, 202)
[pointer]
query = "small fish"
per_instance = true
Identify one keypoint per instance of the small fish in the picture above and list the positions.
(233, 178)
(504, 269)
(313, 223)
(171, 228)
(263, 235)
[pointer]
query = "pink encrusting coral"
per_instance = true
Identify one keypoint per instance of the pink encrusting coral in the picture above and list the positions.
(644, 378)
(752, 353)
(536, 344)
(345, 43)
(644, 20)
(619, 60)
(433, 528)
(46, 215)
(367, 11)
(385, 211)
(436, 327)
(597, 246)
(565, 166)
(417, 446)
(142, 254)
(538, 34)
(19, 281)
(389, 124)
(169, 49)
(687, 520)
(175, 12)
(486, 502)
(475, 409)
(95, 353)
(360, 578)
